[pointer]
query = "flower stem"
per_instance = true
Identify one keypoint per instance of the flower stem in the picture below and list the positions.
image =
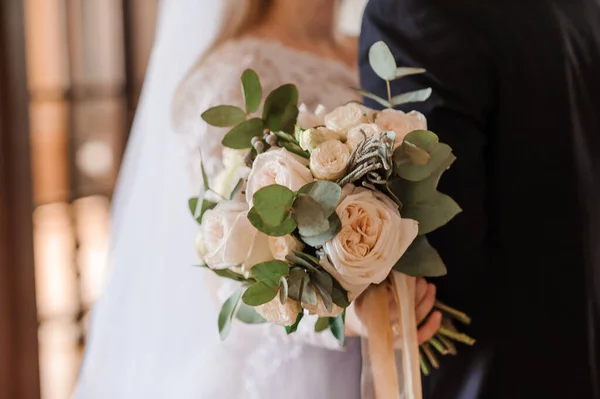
(430, 355)
(464, 338)
(438, 346)
(424, 368)
(389, 92)
(451, 348)
(454, 313)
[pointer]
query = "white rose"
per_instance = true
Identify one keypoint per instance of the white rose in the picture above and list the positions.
(355, 135)
(345, 117)
(329, 160)
(308, 119)
(283, 246)
(277, 166)
(321, 310)
(201, 250)
(276, 312)
(400, 123)
(311, 138)
(227, 238)
(372, 239)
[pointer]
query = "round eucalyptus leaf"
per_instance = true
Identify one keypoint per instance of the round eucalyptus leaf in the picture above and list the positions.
(416, 96)
(240, 137)
(259, 294)
(310, 216)
(421, 260)
(382, 61)
(224, 116)
(271, 212)
(281, 108)
(247, 314)
(226, 314)
(441, 155)
(285, 227)
(270, 273)
(432, 213)
(424, 139)
(326, 193)
(335, 225)
(252, 90)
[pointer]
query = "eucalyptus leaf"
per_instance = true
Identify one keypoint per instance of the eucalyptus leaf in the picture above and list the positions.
(432, 213)
(294, 149)
(300, 261)
(286, 136)
(325, 296)
(287, 226)
(227, 312)
(281, 108)
(271, 212)
(309, 295)
(294, 327)
(252, 90)
(336, 325)
(424, 139)
(323, 279)
(408, 154)
(206, 205)
(283, 290)
(382, 61)
(224, 116)
(374, 97)
(247, 314)
(193, 205)
(335, 225)
(295, 283)
(416, 96)
(240, 137)
(259, 294)
(404, 71)
(421, 260)
(441, 155)
(322, 324)
(310, 216)
(270, 273)
(339, 295)
(326, 193)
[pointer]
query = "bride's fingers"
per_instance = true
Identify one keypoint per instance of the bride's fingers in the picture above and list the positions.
(430, 328)
(424, 307)
(420, 289)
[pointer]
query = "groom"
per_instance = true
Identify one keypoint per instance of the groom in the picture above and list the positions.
(516, 93)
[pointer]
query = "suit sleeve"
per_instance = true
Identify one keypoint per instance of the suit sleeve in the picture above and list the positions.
(422, 33)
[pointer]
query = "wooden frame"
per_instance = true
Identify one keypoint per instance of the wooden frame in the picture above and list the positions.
(19, 376)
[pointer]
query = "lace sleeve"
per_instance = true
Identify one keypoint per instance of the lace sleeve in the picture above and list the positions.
(216, 83)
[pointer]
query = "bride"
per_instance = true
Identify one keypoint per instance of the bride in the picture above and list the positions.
(153, 334)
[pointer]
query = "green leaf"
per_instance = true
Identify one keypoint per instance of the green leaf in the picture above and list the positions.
(382, 61)
(271, 212)
(240, 137)
(206, 205)
(424, 139)
(322, 324)
(224, 116)
(421, 260)
(441, 155)
(310, 216)
(226, 273)
(237, 188)
(193, 205)
(374, 97)
(226, 314)
(287, 226)
(204, 175)
(294, 149)
(281, 109)
(252, 90)
(322, 279)
(309, 295)
(294, 327)
(335, 225)
(325, 296)
(270, 273)
(432, 213)
(295, 283)
(326, 193)
(336, 325)
(283, 290)
(247, 314)
(412, 97)
(286, 136)
(259, 294)
(404, 71)
(339, 295)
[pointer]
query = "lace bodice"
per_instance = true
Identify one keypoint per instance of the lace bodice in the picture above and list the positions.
(216, 82)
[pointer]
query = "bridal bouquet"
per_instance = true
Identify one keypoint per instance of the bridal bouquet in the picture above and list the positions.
(313, 210)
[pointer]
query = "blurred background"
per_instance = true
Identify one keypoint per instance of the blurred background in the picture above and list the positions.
(85, 64)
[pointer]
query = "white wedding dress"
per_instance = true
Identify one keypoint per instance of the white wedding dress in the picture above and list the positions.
(154, 332)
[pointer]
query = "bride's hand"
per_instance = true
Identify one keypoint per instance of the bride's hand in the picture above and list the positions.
(429, 322)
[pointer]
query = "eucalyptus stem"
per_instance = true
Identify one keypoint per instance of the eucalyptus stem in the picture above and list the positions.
(424, 368)
(389, 92)
(430, 355)
(454, 313)
(438, 346)
(464, 338)
(450, 347)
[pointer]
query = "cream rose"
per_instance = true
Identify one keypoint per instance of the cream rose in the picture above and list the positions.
(227, 239)
(372, 239)
(329, 160)
(277, 166)
(344, 118)
(400, 123)
(276, 312)
(234, 170)
(355, 135)
(283, 246)
(311, 138)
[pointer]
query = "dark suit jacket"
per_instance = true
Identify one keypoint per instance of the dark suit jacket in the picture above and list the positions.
(516, 88)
